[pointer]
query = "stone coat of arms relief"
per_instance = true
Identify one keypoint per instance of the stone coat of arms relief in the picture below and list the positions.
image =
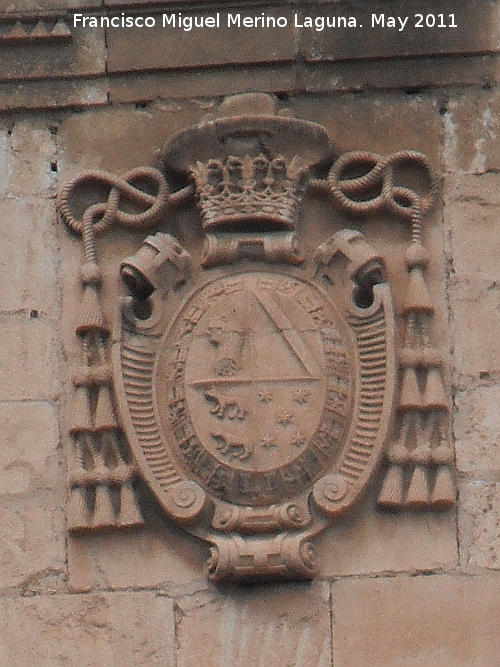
(255, 383)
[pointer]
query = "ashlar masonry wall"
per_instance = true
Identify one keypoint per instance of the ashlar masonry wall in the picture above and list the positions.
(394, 590)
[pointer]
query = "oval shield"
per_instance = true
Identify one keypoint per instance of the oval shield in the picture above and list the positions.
(240, 392)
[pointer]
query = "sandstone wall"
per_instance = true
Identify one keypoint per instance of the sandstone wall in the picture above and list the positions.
(395, 590)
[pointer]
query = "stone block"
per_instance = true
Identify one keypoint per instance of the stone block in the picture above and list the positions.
(32, 542)
(29, 163)
(219, 81)
(480, 525)
(276, 625)
(39, 6)
(472, 132)
(54, 94)
(394, 73)
(28, 256)
(199, 47)
(118, 139)
(130, 630)
(437, 32)
(476, 427)
(28, 357)
(450, 621)
(82, 55)
(471, 206)
(476, 351)
(29, 456)
(472, 223)
(382, 124)
(382, 542)
(157, 555)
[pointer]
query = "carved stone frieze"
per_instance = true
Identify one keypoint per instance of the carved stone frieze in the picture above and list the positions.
(34, 29)
(256, 384)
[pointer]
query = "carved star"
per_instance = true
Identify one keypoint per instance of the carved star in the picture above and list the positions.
(286, 418)
(265, 397)
(301, 396)
(267, 442)
(299, 440)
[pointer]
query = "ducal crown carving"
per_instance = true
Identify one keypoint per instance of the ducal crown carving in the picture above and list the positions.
(248, 190)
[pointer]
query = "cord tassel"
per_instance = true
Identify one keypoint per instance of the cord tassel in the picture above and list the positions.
(410, 391)
(418, 491)
(104, 514)
(77, 510)
(92, 317)
(105, 419)
(417, 297)
(130, 514)
(391, 495)
(443, 493)
(80, 411)
(434, 395)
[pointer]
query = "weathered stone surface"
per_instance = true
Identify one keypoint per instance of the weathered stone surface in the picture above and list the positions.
(381, 542)
(450, 621)
(382, 618)
(471, 204)
(83, 55)
(53, 94)
(155, 556)
(476, 426)
(32, 542)
(28, 256)
(29, 453)
(285, 625)
(382, 124)
(132, 630)
(476, 348)
(117, 139)
(393, 74)
(371, 39)
(200, 47)
(29, 362)
(472, 220)
(480, 525)
(221, 80)
(472, 132)
(28, 162)
(332, 59)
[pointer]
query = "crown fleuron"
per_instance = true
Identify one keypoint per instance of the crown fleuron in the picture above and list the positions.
(248, 190)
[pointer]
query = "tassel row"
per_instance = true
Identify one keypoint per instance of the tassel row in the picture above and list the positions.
(103, 507)
(101, 495)
(419, 473)
(417, 488)
(433, 397)
(84, 420)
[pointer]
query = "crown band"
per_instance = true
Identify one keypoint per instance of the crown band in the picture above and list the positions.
(251, 190)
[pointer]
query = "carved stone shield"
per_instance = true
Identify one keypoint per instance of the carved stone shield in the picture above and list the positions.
(260, 394)
(255, 376)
